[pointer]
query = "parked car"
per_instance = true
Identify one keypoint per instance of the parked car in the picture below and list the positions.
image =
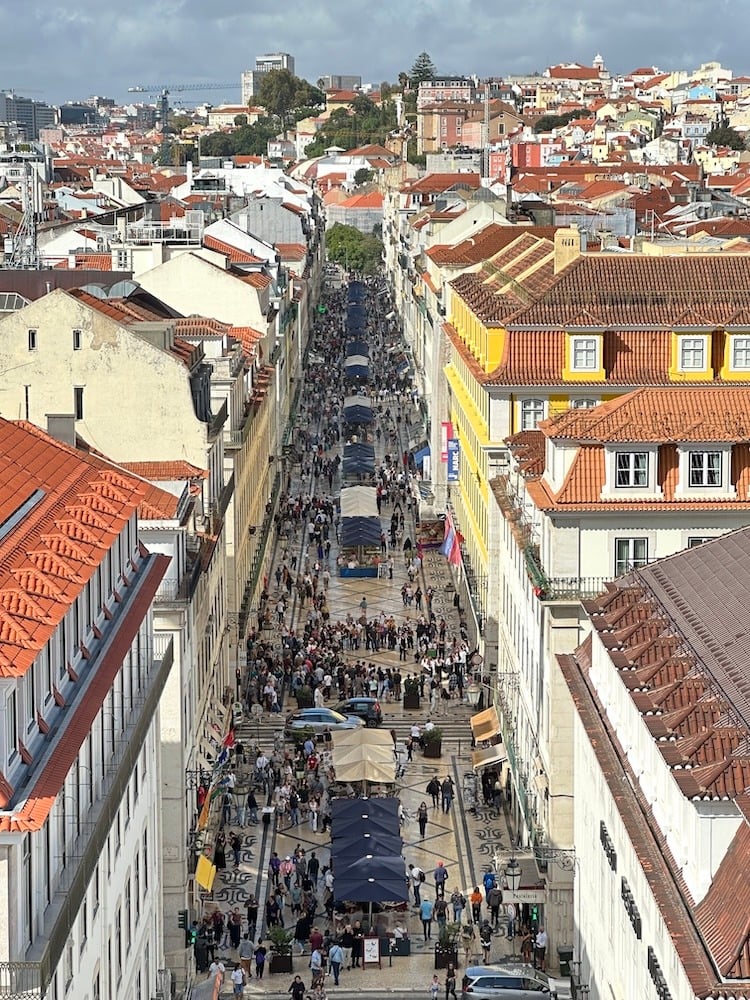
(366, 708)
(317, 720)
(506, 982)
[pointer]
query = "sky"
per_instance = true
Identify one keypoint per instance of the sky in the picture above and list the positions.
(58, 52)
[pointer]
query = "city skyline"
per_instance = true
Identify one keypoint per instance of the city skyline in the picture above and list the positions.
(88, 50)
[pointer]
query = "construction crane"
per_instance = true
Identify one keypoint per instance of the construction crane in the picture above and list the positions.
(162, 92)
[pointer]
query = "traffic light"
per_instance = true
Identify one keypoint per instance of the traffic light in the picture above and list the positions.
(534, 915)
(182, 919)
(191, 936)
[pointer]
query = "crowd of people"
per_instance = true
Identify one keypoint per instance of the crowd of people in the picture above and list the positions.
(297, 649)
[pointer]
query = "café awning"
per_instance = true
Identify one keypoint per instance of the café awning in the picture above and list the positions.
(485, 725)
(489, 755)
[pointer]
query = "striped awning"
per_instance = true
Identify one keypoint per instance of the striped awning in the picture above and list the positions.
(485, 725)
(489, 755)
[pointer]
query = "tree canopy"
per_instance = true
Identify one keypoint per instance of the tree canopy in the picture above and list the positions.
(282, 94)
(362, 123)
(548, 122)
(725, 135)
(354, 250)
(423, 69)
(247, 140)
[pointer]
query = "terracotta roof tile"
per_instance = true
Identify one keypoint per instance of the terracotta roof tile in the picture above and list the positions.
(235, 254)
(57, 546)
(165, 471)
(291, 251)
(437, 183)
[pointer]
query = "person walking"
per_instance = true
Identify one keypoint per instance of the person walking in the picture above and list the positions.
(446, 793)
(297, 989)
(425, 915)
(540, 949)
(433, 789)
(260, 959)
(358, 944)
(485, 938)
(458, 902)
(434, 987)
(475, 899)
(238, 981)
(335, 958)
(245, 955)
(347, 943)
(316, 969)
(440, 876)
(494, 900)
(422, 818)
(510, 917)
(468, 937)
(416, 878)
(450, 982)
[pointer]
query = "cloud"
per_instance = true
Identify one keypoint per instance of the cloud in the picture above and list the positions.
(71, 52)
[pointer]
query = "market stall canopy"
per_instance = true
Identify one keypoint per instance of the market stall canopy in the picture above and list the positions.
(356, 361)
(372, 880)
(368, 843)
(485, 725)
(357, 347)
(356, 531)
(363, 810)
(365, 736)
(489, 755)
(372, 771)
(356, 292)
(357, 501)
(358, 410)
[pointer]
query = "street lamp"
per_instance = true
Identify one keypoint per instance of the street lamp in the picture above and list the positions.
(513, 875)
(473, 694)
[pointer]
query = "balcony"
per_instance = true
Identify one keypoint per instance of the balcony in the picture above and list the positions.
(176, 592)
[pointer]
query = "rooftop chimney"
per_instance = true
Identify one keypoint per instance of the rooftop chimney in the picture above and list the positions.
(62, 427)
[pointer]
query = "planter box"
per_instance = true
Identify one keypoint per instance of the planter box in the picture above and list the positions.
(411, 701)
(280, 963)
(433, 749)
(444, 958)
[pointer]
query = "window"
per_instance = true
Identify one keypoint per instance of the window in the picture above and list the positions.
(532, 411)
(32, 340)
(741, 352)
(631, 469)
(585, 354)
(95, 892)
(84, 922)
(76, 340)
(68, 965)
(78, 402)
(692, 353)
(582, 404)
(705, 469)
(695, 541)
(118, 943)
(11, 718)
(630, 553)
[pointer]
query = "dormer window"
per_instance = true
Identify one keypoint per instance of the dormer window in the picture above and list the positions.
(705, 472)
(741, 353)
(705, 469)
(631, 470)
(584, 353)
(693, 354)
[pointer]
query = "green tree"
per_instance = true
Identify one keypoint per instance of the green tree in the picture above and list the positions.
(282, 94)
(725, 135)
(548, 122)
(354, 250)
(362, 176)
(423, 69)
(217, 144)
(240, 119)
(178, 122)
(403, 80)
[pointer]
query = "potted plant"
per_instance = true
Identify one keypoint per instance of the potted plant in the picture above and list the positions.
(304, 696)
(446, 948)
(411, 692)
(433, 741)
(281, 949)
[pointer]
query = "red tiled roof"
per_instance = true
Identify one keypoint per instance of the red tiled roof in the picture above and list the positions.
(437, 183)
(484, 244)
(47, 559)
(235, 255)
(256, 279)
(165, 471)
(291, 251)
(660, 415)
(89, 261)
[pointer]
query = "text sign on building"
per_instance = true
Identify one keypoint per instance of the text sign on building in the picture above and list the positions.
(454, 452)
(446, 432)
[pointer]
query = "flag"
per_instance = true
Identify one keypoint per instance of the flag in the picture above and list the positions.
(221, 759)
(229, 739)
(451, 547)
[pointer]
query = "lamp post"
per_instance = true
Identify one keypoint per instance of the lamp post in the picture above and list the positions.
(513, 875)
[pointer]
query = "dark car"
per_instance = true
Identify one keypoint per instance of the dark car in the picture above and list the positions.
(317, 720)
(366, 708)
